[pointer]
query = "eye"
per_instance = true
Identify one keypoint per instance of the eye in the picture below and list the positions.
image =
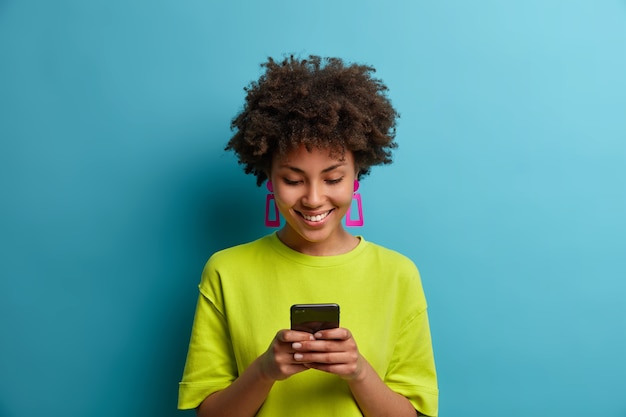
(291, 182)
(334, 181)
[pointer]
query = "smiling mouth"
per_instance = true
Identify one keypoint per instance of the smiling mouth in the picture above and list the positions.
(316, 218)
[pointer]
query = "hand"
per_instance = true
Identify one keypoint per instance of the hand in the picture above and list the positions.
(278, 363)
(334, 351)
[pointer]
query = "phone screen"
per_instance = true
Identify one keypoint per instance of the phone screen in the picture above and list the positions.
(314, 317)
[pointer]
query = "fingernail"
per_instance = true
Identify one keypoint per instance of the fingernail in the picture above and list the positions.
(297, 356)
(296, 345)
(318, 335)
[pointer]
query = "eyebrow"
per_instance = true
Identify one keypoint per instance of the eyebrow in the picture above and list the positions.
(325, 170)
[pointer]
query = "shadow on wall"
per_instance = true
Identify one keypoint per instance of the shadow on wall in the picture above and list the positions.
(223, 212)
(219, 211)
(233, 213)
(206, 204)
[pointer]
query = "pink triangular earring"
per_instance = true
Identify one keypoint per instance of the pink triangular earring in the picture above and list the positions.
(356, 196)
(275, 222)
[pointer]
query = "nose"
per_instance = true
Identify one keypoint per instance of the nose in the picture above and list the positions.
(314, 196)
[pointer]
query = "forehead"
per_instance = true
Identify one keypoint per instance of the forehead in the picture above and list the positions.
(301, 156)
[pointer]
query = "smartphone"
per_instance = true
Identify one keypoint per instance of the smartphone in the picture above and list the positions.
(314, 317)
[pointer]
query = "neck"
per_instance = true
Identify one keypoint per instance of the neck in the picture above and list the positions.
(344, 242)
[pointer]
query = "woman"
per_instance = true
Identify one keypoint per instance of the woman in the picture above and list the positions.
(312, 128)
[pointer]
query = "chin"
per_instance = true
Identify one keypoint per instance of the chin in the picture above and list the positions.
(320, 235)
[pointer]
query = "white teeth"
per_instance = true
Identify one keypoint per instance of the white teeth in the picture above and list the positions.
(317, 218)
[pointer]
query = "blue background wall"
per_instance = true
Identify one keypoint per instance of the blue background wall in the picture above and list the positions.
(508, 189)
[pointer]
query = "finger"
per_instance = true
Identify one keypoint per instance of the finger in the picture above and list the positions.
(293, 336)
(339, 333)
(326, 357)
(332, 345)
(320, 346)
(346, 371)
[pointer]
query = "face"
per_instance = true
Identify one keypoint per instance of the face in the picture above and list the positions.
(313, 192)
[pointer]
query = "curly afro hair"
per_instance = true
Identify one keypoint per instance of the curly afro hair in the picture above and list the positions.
(319, 103)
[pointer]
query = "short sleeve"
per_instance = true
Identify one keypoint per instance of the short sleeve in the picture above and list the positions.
(411, 372)
(210, 364)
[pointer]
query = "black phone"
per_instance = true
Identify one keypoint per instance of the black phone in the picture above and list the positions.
(314, 317)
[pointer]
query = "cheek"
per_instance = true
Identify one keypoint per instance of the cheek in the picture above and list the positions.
(284, 196)
(344, 198)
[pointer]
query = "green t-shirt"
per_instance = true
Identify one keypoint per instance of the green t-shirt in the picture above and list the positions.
(245, 295)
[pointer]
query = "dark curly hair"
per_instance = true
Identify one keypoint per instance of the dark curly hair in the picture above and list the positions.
(319, 103)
